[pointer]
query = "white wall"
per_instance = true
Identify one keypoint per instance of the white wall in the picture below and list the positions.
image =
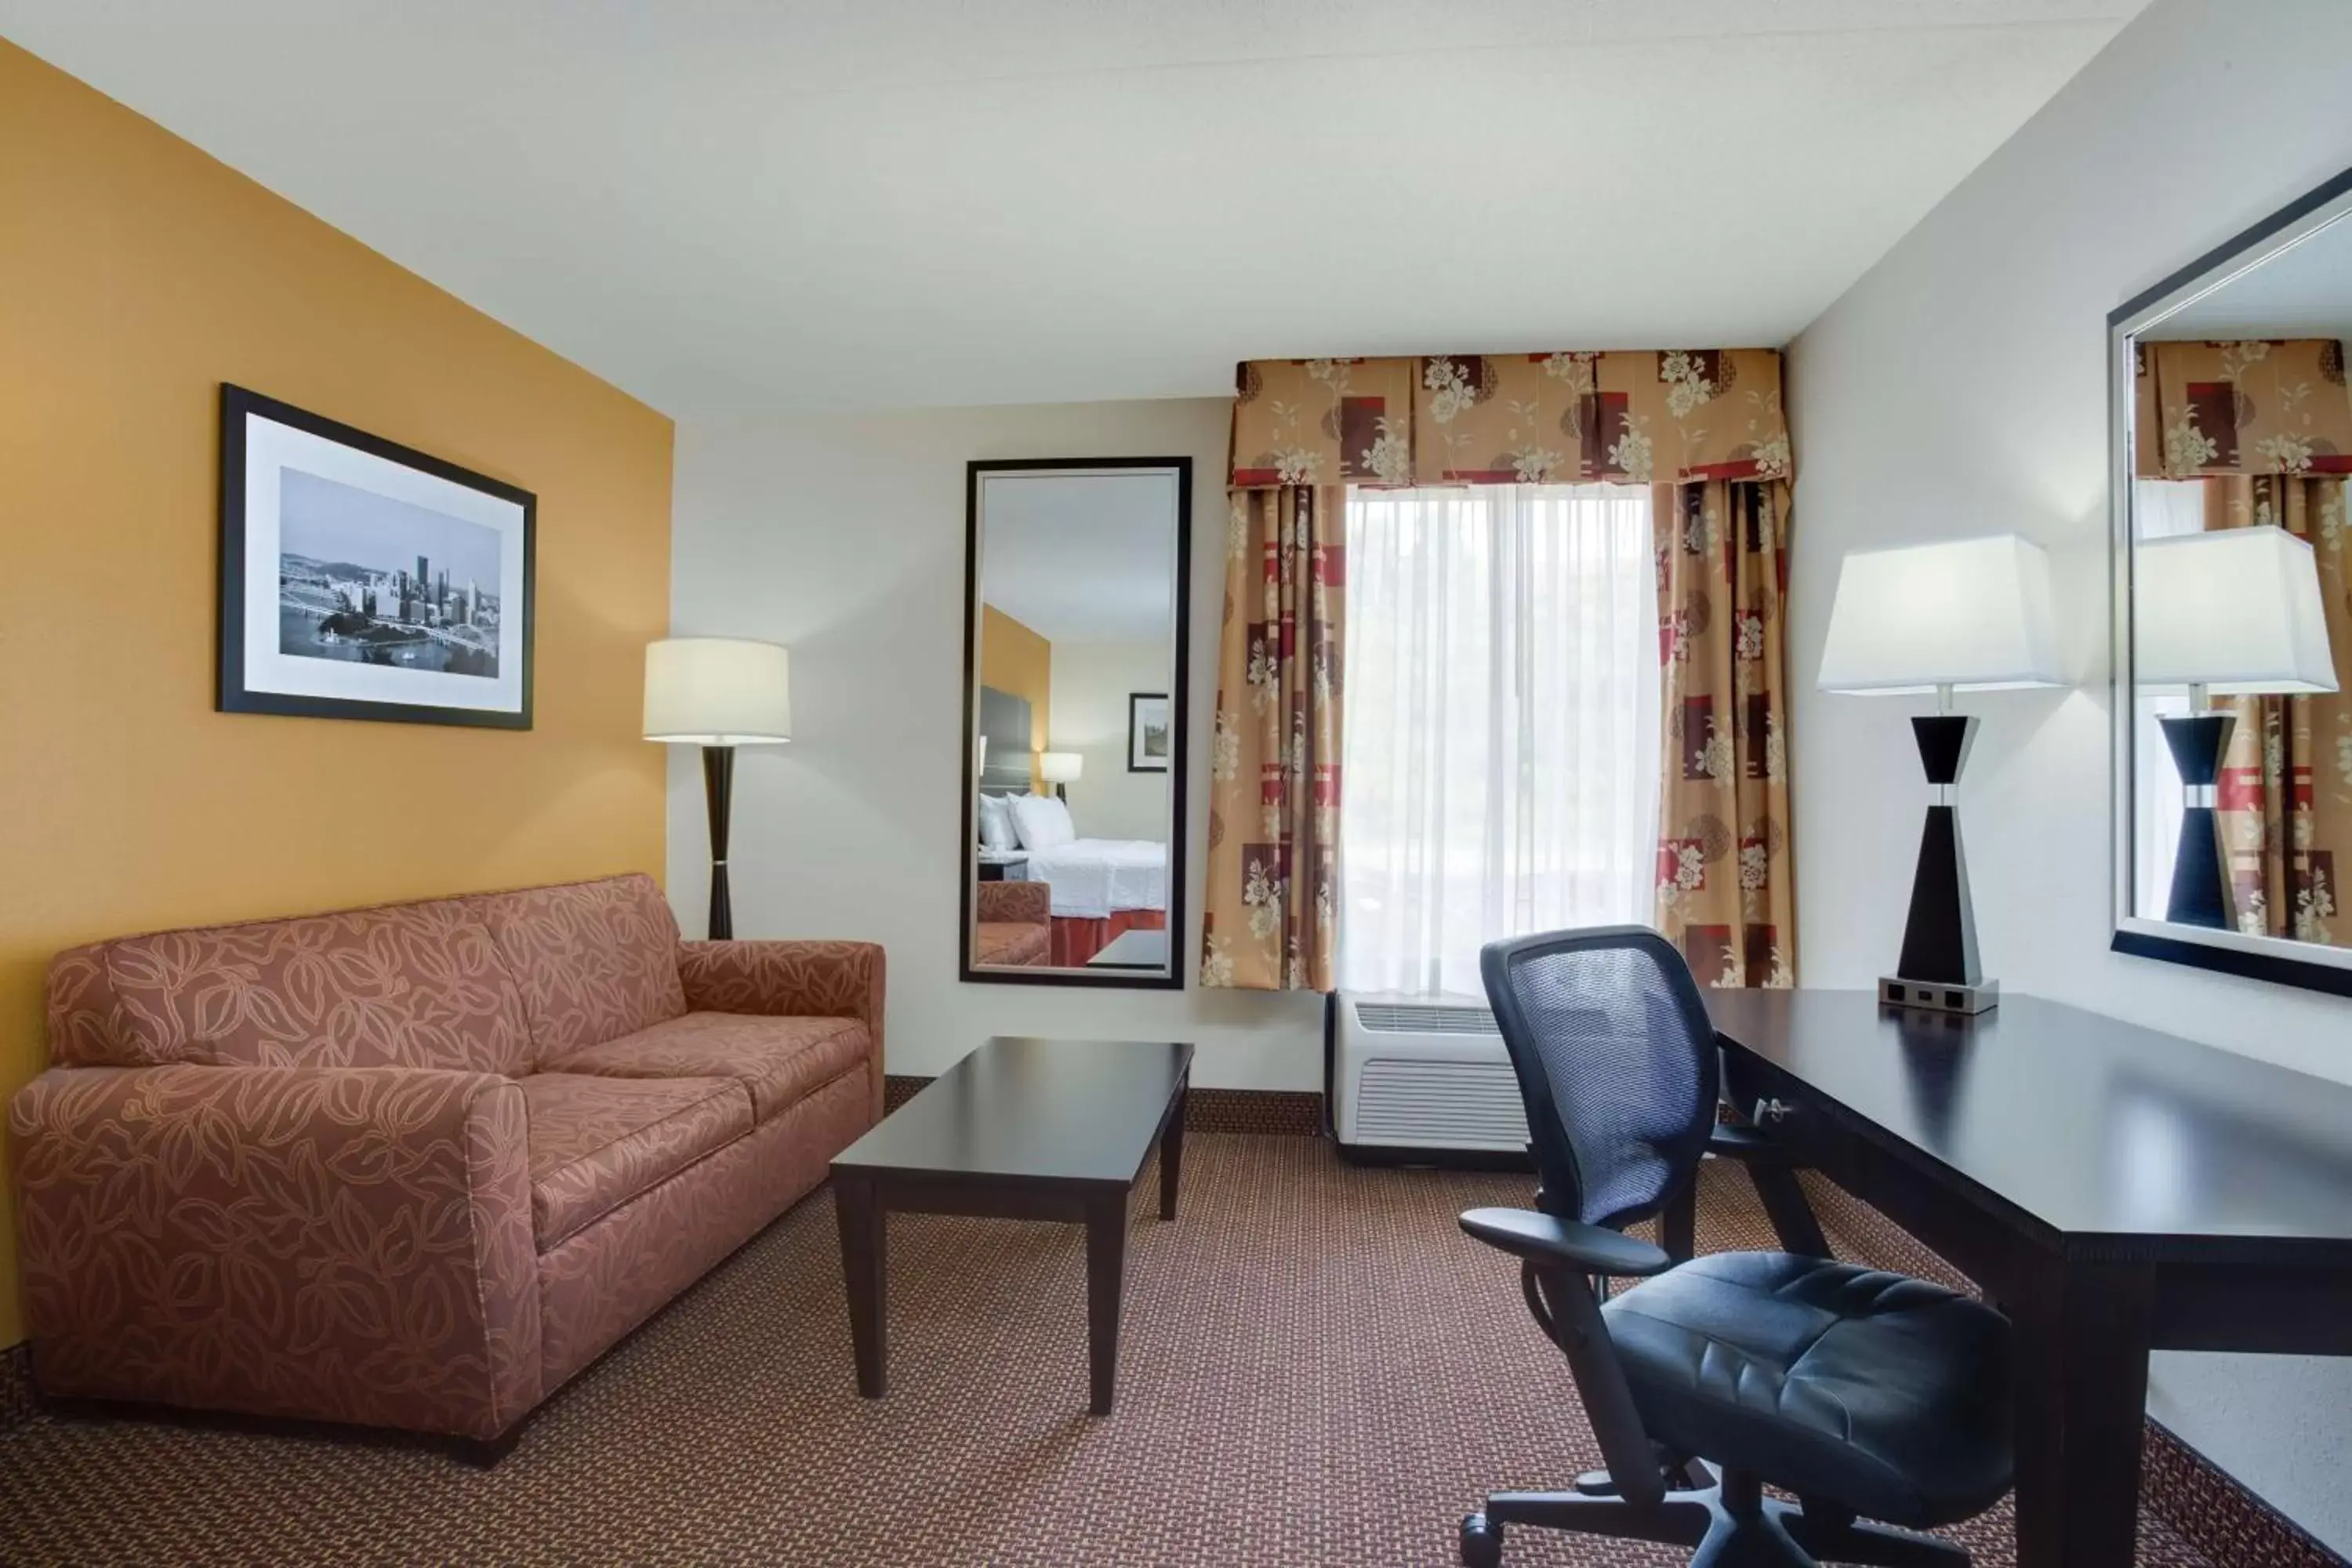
(1959, 387)
(1092, 682)
(844, 539)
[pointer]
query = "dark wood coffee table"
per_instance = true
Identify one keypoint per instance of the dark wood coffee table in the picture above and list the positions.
(1018, 1130)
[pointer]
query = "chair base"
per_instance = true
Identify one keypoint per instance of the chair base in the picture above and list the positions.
(1727, 1525)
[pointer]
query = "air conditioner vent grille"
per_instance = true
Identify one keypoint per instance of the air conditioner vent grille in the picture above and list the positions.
(1424, 1018)
(1443, 1104)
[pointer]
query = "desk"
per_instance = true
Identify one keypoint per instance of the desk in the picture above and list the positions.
(2114, 1190)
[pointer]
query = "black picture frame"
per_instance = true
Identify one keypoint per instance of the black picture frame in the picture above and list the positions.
(968, 795)
(235, 692)
(1135, 701)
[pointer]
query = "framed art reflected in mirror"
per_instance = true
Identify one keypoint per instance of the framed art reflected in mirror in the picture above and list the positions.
(2230, 454)
(1072, 791)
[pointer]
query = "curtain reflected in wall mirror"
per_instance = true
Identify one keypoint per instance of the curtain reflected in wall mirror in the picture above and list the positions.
(1074, 758)
(2233, 448)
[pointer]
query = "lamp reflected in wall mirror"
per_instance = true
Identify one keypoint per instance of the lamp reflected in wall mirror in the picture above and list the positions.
(1072, 858)
(2232, 450)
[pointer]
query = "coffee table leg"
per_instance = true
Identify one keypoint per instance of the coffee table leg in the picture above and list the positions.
(863, 1268)
(1172, 1157)
(1105, 1269)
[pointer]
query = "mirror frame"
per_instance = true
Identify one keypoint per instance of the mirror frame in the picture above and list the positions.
(2310, 965)
(1180, 741)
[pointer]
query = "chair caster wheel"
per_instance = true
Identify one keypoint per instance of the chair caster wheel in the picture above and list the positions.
(1482, 1542)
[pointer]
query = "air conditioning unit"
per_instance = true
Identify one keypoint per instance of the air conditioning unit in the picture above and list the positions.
(1422, 1075)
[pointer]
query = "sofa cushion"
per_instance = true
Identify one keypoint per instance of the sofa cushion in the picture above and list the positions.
(596, 1142)
(999, 942)
(416, 985)
(594, 961)
(779, 1061)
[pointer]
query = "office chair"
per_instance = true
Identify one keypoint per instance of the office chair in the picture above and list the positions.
(1865, 1395)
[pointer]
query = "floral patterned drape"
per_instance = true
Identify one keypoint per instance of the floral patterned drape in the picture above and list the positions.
(1274, 791)
(1704, 426)
(2250, 407)
(1539, 418)
(2286, 795)
(1727, 877)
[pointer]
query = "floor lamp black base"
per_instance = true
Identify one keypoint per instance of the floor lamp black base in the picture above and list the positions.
(718, 793)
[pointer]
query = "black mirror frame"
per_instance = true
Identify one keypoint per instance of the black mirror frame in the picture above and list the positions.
(1179, 736)
(2276, 960)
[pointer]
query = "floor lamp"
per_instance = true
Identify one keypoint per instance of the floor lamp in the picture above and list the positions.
(717, 693)
(2235, 612)
(1970, 614)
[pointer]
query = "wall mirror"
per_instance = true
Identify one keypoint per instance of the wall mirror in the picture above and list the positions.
(1074, 753)
(2232, 450)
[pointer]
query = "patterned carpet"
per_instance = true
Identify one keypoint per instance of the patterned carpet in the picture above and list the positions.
(1317, 1369)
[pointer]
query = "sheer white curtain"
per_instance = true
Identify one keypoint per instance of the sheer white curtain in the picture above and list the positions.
(1501, 730)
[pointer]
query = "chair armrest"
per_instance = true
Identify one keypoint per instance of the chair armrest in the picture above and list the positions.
(342, 1243)
(792, 980)
(1013, 903)
(1587, 1249)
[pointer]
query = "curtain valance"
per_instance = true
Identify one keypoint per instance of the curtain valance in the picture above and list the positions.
(2251, 407)
(1633, 417)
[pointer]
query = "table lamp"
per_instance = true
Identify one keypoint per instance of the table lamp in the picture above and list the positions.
(1969, 615)
(2238, 612)
(1060, 768)
(717, 693)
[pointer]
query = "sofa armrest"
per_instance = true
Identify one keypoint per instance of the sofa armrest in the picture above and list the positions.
(1013, 903)
(342, 1244)
(789, 979)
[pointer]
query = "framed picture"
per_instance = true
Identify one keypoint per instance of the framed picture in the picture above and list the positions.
(1147, 732)
(361, 579)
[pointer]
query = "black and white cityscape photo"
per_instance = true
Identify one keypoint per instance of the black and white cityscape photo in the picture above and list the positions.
(369, 579)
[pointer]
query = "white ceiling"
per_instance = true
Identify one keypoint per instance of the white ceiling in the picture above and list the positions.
(2304, 294)
(725, 206)
(1081, 557)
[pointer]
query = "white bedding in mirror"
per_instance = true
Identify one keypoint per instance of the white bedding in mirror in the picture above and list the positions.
(1092, 877)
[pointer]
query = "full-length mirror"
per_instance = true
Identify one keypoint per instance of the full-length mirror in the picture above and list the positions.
(1073, 787)
(2233, 637)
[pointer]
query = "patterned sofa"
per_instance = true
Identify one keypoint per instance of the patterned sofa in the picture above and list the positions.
(1014, 924)
(415, 1166)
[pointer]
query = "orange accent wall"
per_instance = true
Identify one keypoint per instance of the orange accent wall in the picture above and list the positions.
(136, 275)
(1015, 660)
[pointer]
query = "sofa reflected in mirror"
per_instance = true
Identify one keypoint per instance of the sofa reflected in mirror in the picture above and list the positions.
(2233, 605)
(1072, 853)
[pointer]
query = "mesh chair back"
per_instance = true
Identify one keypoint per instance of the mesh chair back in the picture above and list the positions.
(1616, 1061)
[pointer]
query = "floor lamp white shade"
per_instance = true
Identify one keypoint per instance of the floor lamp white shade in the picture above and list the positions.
(717, 691)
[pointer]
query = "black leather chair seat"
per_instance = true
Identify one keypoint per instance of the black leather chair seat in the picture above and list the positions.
(1880, 1394)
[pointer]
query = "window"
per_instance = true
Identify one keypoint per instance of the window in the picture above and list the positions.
(1500, 729)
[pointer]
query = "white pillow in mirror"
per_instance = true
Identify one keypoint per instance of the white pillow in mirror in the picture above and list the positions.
(1043, 822)
(996, 830)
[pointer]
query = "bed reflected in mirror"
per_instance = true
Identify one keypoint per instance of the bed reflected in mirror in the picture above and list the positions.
(1074, 721)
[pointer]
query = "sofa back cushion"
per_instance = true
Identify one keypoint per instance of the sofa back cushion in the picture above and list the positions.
(406, 985)
(594, 961)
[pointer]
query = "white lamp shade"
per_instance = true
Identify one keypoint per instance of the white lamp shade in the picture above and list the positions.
(1972, 614)
(717, 691)
(1059, 767)
(2237, 610)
